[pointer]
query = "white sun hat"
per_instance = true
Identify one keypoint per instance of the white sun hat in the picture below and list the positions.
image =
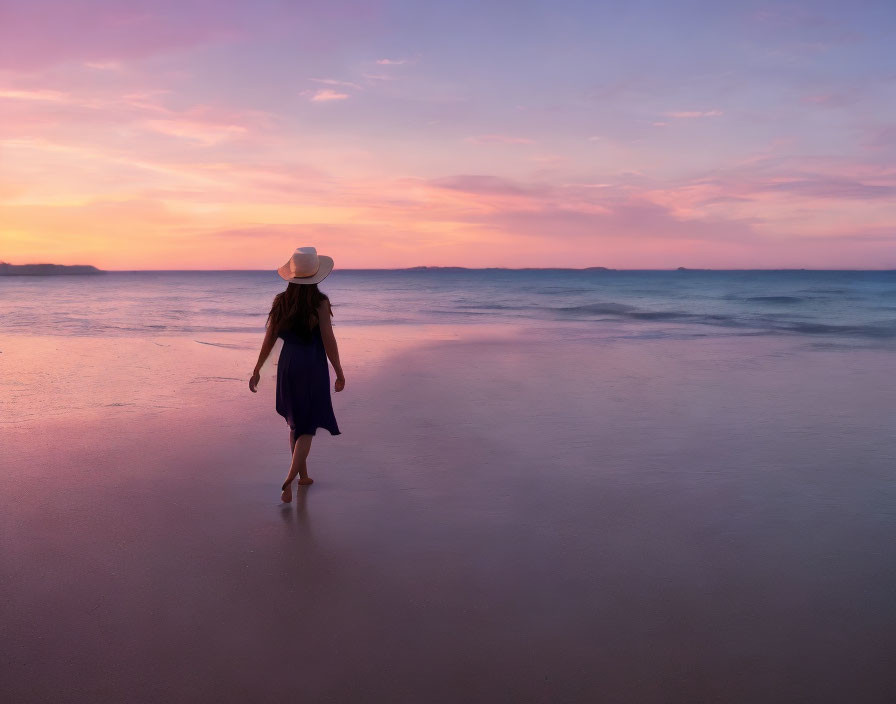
(305, 266)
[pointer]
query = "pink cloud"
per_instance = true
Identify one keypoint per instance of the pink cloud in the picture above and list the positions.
(50, 96)
(808, 179)
(104, 65)
(633, 220)
(753, 221)
(63, 117)
(581, 210)
(326, 95)
(334, 82)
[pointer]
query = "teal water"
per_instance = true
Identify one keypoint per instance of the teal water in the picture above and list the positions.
(848, 306)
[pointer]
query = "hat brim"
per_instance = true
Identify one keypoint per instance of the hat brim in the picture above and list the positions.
(325, 266)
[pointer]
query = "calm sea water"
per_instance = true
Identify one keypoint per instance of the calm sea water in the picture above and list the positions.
(851, 306)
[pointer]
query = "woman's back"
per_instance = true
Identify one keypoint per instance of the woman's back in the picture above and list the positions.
(298, 336)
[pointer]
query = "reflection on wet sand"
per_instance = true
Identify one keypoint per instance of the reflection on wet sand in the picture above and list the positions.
(296, 516)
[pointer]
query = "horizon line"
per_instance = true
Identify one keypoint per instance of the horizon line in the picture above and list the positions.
(519, 268)
(466, 268)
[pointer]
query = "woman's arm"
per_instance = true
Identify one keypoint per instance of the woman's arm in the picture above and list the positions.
(270, 339)
(326, 332)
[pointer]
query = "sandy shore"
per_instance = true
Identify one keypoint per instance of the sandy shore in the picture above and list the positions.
(505, 518)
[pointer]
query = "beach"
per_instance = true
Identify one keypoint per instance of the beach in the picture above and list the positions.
(521, 513)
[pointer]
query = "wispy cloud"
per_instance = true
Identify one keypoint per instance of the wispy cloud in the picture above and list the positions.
(391, 62)
(498, 139)
(378, 77)
(50, 96)
(685, 114)
(326, 95)
(823, 187)
(202, 132)
(486, 185)
(65, 118)
(335, 82)
(104, 65)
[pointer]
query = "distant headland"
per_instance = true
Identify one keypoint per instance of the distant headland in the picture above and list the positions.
(7, 269)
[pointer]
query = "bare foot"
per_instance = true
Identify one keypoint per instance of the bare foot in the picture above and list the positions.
(286, 496)
(306, 481)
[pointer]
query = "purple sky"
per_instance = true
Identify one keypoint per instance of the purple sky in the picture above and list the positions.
(645, 134)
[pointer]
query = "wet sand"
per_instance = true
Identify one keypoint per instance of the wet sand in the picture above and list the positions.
(505, 518)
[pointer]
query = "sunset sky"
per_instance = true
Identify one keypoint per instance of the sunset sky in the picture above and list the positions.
(206, 135)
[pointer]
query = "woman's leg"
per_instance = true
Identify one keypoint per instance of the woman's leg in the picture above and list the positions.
(301, 448)
(286, 496)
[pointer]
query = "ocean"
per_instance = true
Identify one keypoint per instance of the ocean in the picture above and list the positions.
(842, 307)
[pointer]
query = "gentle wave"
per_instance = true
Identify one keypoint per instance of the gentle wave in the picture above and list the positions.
(845, 305)
(774, 299)
(880, 330)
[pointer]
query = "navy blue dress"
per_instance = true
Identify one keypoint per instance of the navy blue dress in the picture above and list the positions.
(303, 384)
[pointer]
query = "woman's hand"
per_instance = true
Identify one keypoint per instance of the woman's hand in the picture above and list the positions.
(340, 382)
(253, 382)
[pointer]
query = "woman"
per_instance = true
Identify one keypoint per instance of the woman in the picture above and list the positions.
(300, 315)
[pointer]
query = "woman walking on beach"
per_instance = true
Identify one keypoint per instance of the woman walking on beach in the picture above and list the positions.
(300, 315)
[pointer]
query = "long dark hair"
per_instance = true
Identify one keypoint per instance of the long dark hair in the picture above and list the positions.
(296, 309)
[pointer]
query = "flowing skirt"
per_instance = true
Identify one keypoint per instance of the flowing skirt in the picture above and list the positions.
(303, 385)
